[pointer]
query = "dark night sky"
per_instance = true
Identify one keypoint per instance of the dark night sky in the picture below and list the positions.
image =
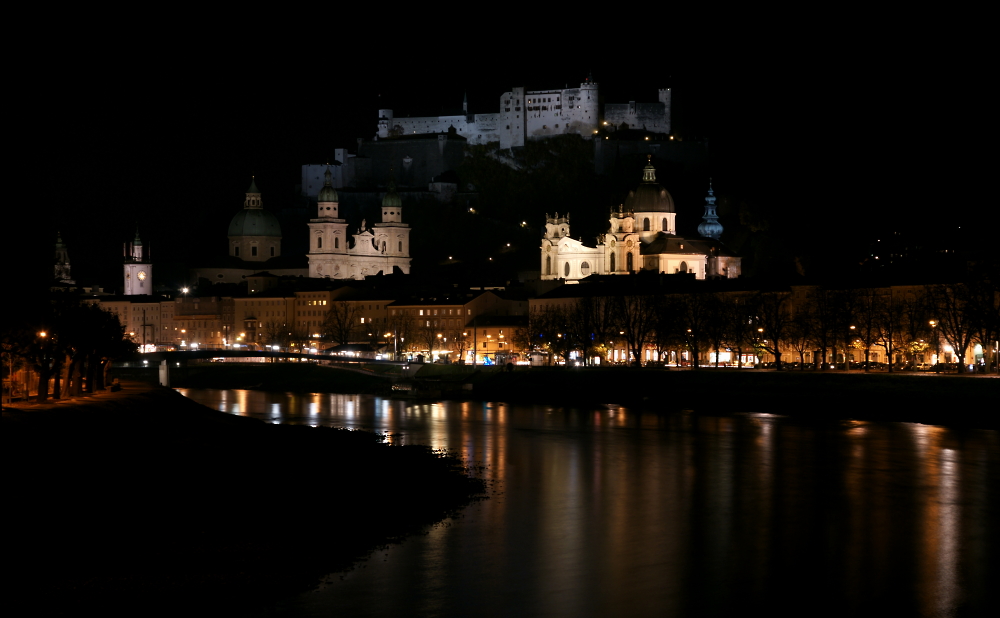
(836, 135)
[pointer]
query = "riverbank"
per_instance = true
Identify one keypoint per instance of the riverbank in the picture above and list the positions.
(967, 401)
(950, 400)
(144, 502)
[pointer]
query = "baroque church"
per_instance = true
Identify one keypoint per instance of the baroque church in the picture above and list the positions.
(642, 236)
(382, 247)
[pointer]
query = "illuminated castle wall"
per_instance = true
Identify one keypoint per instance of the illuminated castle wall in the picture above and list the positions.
(524, 114)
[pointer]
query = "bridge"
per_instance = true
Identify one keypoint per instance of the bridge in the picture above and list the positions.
(167, 360)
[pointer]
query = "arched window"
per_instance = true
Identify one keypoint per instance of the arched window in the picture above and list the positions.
(336, 243)
(319, 242)
(401, 246)
(585, 269)
(664, 224)
(566, 269)
(628, 261)
(548, 264)
(612, 268)
(383, 246)
(272, 251)
(684, 267)
(645, 224)
(236, 250)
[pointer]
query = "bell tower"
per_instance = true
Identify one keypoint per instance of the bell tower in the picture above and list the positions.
(138, 270)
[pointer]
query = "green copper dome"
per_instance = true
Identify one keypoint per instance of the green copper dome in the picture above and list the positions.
(328, 193)
(392, 199)
(254, 222)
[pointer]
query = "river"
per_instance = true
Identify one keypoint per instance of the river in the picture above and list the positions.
(615, 512)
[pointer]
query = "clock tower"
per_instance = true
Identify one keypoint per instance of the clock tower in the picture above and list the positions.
(138, 271)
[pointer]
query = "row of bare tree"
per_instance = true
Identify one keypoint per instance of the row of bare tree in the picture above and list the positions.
(70, 342)
(903, 322)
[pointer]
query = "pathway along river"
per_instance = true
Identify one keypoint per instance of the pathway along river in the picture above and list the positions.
(614, 512)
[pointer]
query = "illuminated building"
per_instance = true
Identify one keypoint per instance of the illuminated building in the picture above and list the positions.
(642, 236)
(334, 254)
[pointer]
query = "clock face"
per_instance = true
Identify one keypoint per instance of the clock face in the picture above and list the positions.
(142, 275)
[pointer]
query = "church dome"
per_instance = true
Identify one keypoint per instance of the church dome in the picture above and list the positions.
(254, 222)
(649, 196)
(392, 199)
(328, 194)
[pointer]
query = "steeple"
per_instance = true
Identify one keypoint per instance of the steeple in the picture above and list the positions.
(328, 195)
(710, 226)
(253, 195)
(62, 260)
(137, 247)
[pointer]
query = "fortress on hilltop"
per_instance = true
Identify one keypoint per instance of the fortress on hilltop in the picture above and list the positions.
(535, 114)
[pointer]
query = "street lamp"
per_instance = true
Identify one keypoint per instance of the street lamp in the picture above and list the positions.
(937, 345)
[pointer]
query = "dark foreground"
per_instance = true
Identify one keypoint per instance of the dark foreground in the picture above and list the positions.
(148, 503)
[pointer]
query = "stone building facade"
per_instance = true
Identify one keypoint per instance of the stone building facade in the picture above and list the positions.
(336, 254)
(641, 236)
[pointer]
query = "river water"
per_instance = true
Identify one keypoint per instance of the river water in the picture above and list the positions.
(615, 512)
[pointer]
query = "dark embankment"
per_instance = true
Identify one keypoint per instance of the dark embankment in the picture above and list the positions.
(938, 399)
(145, 503)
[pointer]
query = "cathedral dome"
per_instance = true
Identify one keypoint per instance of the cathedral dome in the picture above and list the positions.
(649, 196)
(254, 222)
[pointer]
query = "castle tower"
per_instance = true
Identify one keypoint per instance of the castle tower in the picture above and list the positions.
(710, 226)
(62, 272)
(665, 99)
(138, 271)
(589, 110)
(254, 233)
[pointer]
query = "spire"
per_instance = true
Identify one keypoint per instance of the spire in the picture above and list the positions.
(710, 226)
(328, 193)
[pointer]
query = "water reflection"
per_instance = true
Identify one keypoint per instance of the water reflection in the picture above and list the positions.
(608, 511)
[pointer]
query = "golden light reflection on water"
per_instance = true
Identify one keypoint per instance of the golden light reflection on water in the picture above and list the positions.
(608, 510)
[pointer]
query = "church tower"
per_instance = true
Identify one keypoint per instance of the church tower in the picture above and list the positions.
(392, 236)
(710, 226)
(138, 270)
(327, 233)
(62, 273)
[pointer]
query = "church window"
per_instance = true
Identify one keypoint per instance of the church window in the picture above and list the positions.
(612, 269)
(253, 251)
(336, 243)
(236, 251)
(548, 264)
(272, 251)
(664, 224)
(401, 246)
(319, 242)
(566, 269)
(628, 262)
(684, 267)
(645, 224)
(585, 268)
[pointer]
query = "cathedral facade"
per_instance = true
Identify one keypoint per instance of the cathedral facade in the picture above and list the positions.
(336, 254)
(641, 236)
